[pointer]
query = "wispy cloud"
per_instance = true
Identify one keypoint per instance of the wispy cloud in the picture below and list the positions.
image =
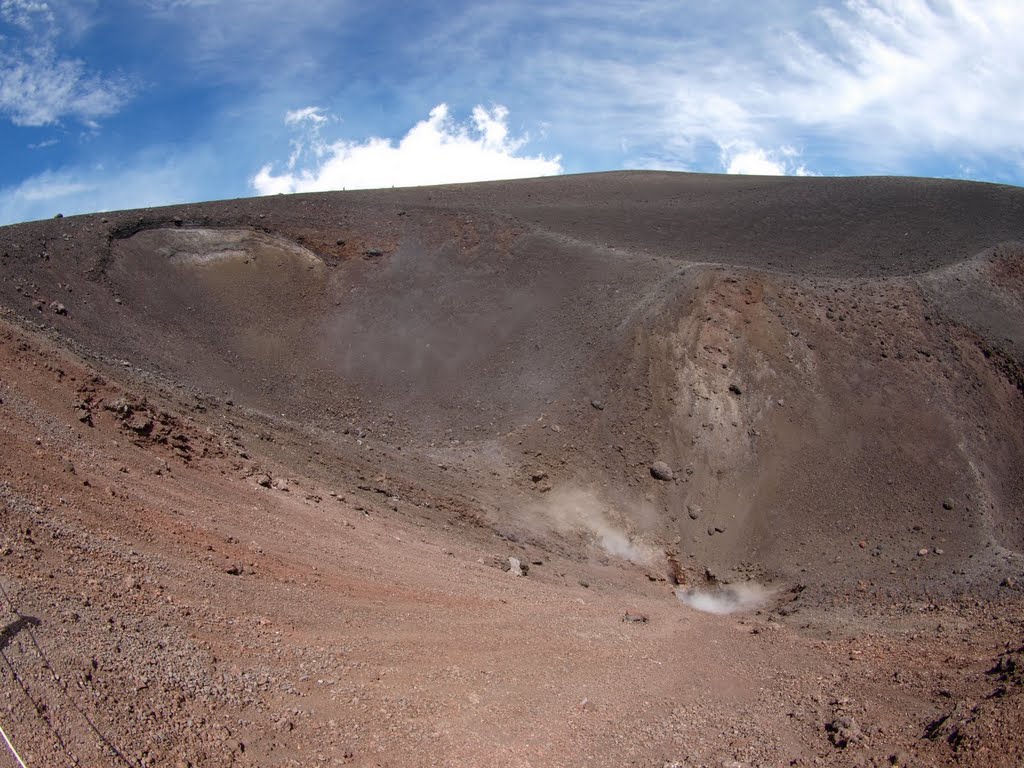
(159, 177)
(267, 41)
(39, 88)
(312, 115)
(38, 84)
(438, 150)
(906, 71)
(878, 83)
(857, 85)
(26, 13)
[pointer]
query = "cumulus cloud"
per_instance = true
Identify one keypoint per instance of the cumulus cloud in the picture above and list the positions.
(39, 85)
(437, 150)
(743, 157)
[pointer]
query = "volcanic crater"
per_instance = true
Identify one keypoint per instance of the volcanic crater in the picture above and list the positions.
(614, 469)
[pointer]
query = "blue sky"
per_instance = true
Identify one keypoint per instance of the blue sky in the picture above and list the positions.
(122, 104)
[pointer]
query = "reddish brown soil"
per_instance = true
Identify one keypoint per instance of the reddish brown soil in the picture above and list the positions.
(262, 459)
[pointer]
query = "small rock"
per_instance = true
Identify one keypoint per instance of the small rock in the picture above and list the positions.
(661, 471)
(597, 404)
(938, 551)
(538, 475)
(59, 216)
(57, 308)
(922, 551)
(139, 423)
(516, 567)
(843, 731)
(264, 481)
(235, 569)
(947, 503)
(633, 617)
(1009, 582)
(694, 511)
(735, 389)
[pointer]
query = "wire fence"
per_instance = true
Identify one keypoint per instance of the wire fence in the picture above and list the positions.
(28, 623)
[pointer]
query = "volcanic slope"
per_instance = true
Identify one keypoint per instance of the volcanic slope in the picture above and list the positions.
(829, 372)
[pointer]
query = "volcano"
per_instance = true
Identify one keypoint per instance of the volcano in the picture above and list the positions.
(629, 468)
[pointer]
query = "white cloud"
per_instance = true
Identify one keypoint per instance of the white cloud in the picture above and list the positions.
(25, 13)
(882, 80)
(860, 85)
(38, 88)
(943, 73)
(743, 157)
(52, 187)
(39, 85)
(438, 150)
(314, 115)
(754, 162)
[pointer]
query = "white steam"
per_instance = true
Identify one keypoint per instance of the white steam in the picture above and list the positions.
(729, 598)
(576, 509)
